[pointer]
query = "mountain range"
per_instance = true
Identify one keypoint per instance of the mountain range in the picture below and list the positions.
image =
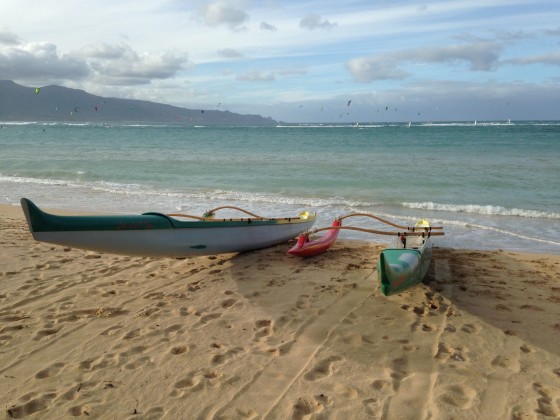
(58, 103)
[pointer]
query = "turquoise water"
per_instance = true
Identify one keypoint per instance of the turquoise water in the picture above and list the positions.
(493, 185)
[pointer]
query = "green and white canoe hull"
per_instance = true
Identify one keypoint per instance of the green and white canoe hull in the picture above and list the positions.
(399, 268)
(158, 235)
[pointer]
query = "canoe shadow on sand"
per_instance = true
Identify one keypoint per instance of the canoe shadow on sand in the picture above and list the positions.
(515, 294)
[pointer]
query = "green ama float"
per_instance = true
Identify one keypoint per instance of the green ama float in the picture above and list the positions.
(406, 261)
(163, 235)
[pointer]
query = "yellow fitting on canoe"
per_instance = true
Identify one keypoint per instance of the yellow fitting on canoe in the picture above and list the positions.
(423, 223)
(304, 215)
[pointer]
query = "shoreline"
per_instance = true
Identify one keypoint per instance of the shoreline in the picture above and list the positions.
(265, 334)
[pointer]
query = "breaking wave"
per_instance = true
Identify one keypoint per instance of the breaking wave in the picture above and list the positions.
(487, 210)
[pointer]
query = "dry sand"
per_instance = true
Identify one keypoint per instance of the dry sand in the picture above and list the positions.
(267, 335)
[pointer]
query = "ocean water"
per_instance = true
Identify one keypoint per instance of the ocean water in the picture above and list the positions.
(492, 185)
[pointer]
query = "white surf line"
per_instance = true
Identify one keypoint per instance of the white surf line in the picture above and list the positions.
(517, 235)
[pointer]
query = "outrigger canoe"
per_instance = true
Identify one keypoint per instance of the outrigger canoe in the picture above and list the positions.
(163, 235)
(406, 261)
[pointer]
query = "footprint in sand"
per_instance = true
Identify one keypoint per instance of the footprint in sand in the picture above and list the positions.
(264, 328)
(228, 303)
(446, 352)
(382, 385)
(111, 330)
(139, 362)
(322, 369)
(373, 407)
(532, 308)
(196, 381)
(459, 396)
(132, 358)
(352, 339)
(52, 370)
(137, 332)
(206, 319)
(470, 328)
(286, 347)
(428, 327)
(546, 403)
(303, 302)
(179, 350)
(526, 349)
(45, 333)
(305, 407)
(190, 382)
(220, 359)
(506, 362)
(31, 406)
(399, 372)
(108, 359)
(78, 410)
(501, 307)
(352, 319)
(173, 331)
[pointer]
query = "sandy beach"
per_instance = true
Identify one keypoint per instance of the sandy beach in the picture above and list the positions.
(267, 335)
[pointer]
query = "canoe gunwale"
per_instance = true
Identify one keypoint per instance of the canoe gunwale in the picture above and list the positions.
(41, 221)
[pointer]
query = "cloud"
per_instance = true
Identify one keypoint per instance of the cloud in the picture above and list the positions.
(481, 55)
(40, 61)
(8, 38)
(553, 32)
(313, 21)
(230, 53)
(220, 13)
(268, 27)
(256, 76)
(109, 64)
(120, 64)
(368, 69)
(553, 59)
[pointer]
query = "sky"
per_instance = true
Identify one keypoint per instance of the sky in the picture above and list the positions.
(328, 61)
